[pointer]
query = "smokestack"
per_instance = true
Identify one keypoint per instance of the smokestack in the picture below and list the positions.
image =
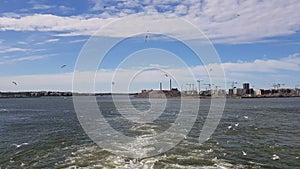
(160, 86)
(170, 84)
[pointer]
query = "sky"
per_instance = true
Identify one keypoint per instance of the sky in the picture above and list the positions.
(256, 41)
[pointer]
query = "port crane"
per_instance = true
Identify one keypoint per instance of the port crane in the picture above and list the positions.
(217, 87)
(209, 85)
(199, 81)
(233, 83)
(277, 86)
(191, 86)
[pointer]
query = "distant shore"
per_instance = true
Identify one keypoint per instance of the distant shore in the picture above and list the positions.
(31, 94)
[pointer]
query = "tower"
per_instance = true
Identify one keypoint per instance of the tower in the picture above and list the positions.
(160, 86)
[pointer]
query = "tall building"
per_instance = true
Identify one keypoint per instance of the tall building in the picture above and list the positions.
(246, 88)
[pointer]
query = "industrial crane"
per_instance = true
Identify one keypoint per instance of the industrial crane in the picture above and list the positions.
(199, 81)
(233, 83)
(277, 86)
(209, 85)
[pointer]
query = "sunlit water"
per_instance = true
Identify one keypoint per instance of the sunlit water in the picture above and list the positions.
(253, 133)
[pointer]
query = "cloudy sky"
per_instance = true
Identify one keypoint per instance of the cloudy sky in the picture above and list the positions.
(257, 41)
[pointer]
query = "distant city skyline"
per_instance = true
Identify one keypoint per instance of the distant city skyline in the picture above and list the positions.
(257, 41)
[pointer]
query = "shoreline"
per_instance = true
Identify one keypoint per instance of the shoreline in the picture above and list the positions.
(39, 94)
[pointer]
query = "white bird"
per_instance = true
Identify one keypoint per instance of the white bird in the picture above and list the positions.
(236, 124)
(229, 127)
(246, 117)
(244, 153)
(147, 36)
(275, 157)
(209, 151)
(19, 145)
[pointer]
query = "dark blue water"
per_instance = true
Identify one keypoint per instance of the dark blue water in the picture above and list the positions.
(253, 133)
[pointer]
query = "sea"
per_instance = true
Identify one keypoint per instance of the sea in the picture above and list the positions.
(45, 132)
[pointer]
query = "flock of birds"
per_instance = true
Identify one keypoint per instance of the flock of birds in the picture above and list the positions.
(147, 36)
(274, 157)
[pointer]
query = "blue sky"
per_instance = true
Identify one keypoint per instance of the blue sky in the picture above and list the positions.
(257, 41)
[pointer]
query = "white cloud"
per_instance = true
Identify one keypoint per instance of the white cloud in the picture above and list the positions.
(21, 59)
(41, 6)
(48, 41)
(233, 21)
(65, 9)
(290, 63)
(247, 21)
(223, 21)
(261, 73)
(181, 9)
(22, 43)
(78, 41)
(11, 14)
(13, 50)
(49, 22)
(37, 82)
(98, 5)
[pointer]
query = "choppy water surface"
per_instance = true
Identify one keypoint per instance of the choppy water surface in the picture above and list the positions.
(253, 133)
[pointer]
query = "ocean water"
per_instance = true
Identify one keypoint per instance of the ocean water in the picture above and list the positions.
(253, 133)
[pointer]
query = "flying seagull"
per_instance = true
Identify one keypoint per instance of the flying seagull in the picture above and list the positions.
(63, 66)
(147, 36)
(19, 145)
(15, 83)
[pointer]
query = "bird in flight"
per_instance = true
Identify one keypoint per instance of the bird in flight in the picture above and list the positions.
(19, 145)
(147, 36)
(15, 83)
(63, 66)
